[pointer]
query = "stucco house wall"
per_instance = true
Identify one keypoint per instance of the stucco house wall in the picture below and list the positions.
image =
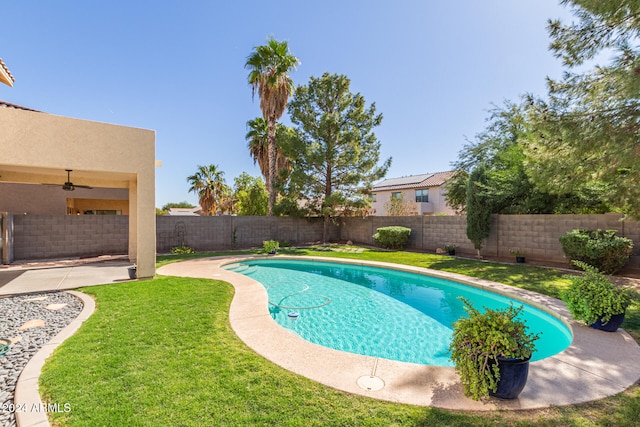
(37, 148)
(407, 187)
(437, 204)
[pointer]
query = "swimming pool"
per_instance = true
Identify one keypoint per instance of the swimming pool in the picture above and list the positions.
(381, 312)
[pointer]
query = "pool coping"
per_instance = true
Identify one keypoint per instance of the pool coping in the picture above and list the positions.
(597, 364)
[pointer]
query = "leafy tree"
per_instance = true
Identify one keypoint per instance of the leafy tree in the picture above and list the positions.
(208, 183)
(259, 147)
(478, 208)
(268, 67)
(250, 195)
(501, 149)
(587, 131)
(335, 152)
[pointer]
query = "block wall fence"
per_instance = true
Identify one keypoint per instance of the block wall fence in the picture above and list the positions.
(31, 237)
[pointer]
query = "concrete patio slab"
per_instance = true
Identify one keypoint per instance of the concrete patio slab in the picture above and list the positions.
(25, 279)
(596, 365)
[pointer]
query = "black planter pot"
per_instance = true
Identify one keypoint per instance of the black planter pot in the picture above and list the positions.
(612, 325)
(451, 252)
(132, 272)
(513, 377)
(520, 259)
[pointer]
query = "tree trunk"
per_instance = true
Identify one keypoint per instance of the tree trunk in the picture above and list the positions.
(325, 228)
(325, 206)
(271, 145)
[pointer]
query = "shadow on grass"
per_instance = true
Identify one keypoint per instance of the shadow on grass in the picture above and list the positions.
(542, 280)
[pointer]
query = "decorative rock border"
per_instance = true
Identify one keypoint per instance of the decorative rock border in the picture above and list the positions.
(38, 323)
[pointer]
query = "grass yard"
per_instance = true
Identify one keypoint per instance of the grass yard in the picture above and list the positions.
(162, 352)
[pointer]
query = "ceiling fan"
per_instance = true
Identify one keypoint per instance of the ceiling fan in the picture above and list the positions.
(70, 186)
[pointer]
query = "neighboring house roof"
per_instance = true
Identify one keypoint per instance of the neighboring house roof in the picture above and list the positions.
(5, 104)
(5, 74)
(185, 211)
(413, 181)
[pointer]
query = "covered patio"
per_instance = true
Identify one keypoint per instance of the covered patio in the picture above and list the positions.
(39, 148)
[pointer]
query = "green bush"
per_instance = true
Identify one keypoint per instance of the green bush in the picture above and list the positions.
(271, 246)
(599, 248)
(394, 237)
(593, 296)
(182, 249)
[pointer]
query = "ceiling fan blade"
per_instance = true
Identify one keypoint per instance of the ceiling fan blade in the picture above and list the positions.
(68, 185)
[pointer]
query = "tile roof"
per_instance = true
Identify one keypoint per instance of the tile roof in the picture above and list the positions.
(414, 181)
(5, 74)
(5, 104)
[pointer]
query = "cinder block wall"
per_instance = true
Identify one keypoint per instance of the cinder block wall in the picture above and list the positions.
(60, 236)
(535, 235)
(230, 232)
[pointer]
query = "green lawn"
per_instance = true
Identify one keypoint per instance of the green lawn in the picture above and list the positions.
(162, 352)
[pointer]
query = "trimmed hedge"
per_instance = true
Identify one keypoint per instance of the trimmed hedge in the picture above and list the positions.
(393, 237)
(599, 248)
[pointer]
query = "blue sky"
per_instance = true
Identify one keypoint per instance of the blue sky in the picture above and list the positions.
(433, 69)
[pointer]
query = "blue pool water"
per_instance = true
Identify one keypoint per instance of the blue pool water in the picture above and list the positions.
(381, 312)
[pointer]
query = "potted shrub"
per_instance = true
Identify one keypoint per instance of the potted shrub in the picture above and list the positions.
(518, 254)
(451, 249)
(593, 299)
(271, 246)
(491, 352)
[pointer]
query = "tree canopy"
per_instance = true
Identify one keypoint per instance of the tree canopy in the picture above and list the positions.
(502, 151)
(208, 183)
(587, 130)
(258, 144)
(335, 152)
(250, 195)
(269, 66)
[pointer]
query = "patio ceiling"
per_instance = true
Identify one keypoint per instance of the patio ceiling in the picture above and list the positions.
(40, 175)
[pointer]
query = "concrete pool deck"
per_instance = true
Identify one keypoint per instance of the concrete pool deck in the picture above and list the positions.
(596, 365)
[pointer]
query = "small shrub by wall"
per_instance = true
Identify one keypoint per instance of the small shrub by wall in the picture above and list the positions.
(601, 249)
(393, 237)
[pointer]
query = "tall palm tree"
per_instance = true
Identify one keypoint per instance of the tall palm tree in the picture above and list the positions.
(268, 67)
(208, 183)
(259, 151)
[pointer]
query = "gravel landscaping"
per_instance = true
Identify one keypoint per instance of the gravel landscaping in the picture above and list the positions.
(30, 321)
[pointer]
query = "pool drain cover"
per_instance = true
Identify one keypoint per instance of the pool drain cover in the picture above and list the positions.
(371, 383)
